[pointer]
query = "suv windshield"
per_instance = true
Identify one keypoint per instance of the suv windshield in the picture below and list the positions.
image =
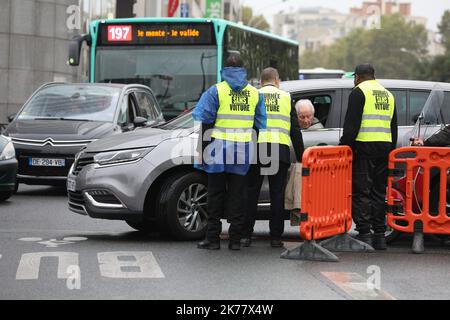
(73, 102)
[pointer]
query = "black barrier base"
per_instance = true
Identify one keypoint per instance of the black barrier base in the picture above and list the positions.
(310, 251)
(418, 243)
(345, 243)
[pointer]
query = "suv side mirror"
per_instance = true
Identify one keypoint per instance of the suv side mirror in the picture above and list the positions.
(140, 122)
(11, 117)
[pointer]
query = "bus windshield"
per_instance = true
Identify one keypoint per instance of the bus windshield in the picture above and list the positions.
(178, 75)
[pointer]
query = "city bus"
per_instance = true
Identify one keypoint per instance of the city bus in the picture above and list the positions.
(178, 58)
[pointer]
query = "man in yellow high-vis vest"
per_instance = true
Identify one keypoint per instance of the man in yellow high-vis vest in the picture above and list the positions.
(274, 145)
(370, 129)
(228, 111)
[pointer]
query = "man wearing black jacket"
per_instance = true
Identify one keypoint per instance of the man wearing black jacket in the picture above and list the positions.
(370, 129)
(274, 152)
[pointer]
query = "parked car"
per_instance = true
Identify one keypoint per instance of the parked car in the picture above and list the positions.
(146, 177)
(60, 119)
(8, 168)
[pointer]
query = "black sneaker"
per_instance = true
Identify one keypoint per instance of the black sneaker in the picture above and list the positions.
(209, 245)
(276, 243)
(246, 242)
(235, 246)
(379, 241)
(366, 238)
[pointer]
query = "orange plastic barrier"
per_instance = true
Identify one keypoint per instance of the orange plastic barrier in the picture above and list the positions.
(414, 212)
(326, 192)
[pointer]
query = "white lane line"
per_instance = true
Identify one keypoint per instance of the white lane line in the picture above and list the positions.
(129, 265)
(356, 286)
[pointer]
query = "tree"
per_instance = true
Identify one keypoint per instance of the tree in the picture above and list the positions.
(444, 30)
(438, 68)
(258, 22)
(395, 50)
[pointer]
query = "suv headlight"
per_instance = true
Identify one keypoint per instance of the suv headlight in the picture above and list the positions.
(122, 156)
(8, 152)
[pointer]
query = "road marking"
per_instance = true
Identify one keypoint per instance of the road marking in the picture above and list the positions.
(129, 265)
(31, 239)
(75, 239)
(30, 264)
(356, 286)
(54, 243)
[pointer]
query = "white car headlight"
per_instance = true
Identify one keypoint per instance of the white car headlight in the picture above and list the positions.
(8, 152)
(122, 156)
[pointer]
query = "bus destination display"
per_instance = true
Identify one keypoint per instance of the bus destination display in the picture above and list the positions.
(157, 34)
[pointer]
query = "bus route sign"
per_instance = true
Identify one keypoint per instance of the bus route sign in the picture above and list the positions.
(157, 34)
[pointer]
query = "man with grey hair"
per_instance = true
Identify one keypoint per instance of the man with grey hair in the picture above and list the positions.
(305, 113)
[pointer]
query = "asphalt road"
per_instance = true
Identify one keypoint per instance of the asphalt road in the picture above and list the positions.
(47, 252)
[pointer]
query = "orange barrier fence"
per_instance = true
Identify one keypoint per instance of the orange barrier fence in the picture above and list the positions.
(326, 209)
(326, 192)
(417, 182)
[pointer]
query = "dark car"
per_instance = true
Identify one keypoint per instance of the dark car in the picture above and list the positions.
(60, 119)
(8, 168)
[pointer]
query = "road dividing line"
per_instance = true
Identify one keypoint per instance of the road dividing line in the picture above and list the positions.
(356, 286)
(129, 265)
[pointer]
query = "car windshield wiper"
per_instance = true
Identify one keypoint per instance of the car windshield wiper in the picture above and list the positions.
(61, 118)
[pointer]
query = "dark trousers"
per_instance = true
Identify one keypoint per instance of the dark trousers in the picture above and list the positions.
(369, 193)
(226, 198)
(277, 185)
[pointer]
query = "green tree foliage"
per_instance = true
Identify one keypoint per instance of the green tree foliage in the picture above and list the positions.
(395, 50)
(258, 22)
(444, 30)
(438, 68)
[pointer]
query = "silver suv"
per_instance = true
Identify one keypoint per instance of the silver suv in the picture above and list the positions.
(146, 177)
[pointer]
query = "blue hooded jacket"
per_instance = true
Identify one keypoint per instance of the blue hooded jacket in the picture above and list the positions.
(206, 113)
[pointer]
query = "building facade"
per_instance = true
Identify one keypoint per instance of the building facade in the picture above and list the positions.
(225, 9)
(34, 38)
(35, 34)
(311, 27)
(316, 27)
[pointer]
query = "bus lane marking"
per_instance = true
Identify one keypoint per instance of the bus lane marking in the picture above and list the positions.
(129, 265)
(356, 286)
(30, 264)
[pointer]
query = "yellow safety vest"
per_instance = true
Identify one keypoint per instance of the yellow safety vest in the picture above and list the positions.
(377, 114)
(236, 113)
(278, 109)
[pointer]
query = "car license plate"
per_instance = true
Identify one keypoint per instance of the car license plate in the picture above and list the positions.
(71, 185)
(44, 162)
